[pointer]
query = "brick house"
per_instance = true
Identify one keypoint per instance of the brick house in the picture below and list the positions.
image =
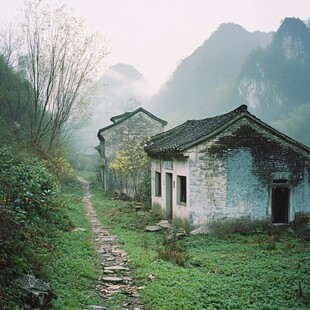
(227, 167)
(125, 128)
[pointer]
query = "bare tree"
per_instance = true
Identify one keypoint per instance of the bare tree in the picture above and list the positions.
(61, 59)
(9, 43)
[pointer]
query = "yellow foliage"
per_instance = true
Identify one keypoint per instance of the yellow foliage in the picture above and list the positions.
(130, 162)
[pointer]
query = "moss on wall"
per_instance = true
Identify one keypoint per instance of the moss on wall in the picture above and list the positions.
(181, 222)
(156, 207)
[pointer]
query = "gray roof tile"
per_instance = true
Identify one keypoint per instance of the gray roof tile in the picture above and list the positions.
(173, 140)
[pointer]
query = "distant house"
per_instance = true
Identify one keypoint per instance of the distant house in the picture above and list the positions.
(227, 167)
(126, 128)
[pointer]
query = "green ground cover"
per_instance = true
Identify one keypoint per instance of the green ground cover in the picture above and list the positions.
(72, 271)
(254, 271)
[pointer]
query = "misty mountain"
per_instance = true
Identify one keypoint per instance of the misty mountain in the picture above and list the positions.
(275, 80)
(120, 89)
(205, 83)
(270, 72)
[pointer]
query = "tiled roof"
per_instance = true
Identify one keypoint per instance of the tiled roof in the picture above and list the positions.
(193, 132)
(117, 118)
(175, 139)
(122, 117)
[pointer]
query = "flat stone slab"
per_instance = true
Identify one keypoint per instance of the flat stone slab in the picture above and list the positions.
(119, 253)
(152, 228)
(165, 225)
(112, 279)
(108, 271)
(79, 229)
(116, 268)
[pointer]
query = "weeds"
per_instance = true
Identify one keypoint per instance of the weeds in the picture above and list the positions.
(72, 272)
(261, 269)
(172, 250)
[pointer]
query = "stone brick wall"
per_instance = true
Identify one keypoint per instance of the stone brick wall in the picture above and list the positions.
(231, 174)
(135, 128)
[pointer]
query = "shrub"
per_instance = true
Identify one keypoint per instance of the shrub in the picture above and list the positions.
(30, 209)
(57, 164)
(130, 169)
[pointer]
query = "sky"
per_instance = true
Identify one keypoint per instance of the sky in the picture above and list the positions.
(155, 35)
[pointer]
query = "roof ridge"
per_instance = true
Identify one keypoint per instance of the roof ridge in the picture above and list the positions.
(190, 131)
(126, 115)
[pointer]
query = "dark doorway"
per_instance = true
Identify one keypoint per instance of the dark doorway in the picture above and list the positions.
(169, 196)
(280, 204)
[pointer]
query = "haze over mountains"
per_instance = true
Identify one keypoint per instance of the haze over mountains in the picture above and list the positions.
(205, 83)
(119, 90)
(270, 72)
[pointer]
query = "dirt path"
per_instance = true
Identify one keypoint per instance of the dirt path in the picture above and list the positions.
(116, 276)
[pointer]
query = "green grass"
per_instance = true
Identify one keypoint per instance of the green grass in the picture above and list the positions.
(219, 272)
(73, 270)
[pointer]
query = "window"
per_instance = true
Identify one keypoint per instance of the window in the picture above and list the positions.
(157, 184)
(181, 189)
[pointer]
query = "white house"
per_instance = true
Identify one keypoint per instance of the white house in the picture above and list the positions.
(228, 166)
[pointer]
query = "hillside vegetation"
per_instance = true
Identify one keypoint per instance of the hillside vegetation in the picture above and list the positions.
(38, 213)
(44, 83)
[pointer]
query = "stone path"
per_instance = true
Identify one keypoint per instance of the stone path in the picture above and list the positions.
(116, 276)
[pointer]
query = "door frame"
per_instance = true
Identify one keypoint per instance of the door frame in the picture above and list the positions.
(280, 204)
(281, 197)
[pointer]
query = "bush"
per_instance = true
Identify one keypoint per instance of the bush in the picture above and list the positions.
(30, 209)
(57, 164)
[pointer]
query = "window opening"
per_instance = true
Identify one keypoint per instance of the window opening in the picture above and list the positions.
(181, 190)
(158, 184)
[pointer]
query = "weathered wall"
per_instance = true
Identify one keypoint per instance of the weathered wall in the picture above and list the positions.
(231, 175)
(179, 210)
(135, 128)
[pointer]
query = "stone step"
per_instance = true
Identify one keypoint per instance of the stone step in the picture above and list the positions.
(116, 268)
(112, 279)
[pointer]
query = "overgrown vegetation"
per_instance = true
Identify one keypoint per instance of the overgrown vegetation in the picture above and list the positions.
(260, 269)
(37, 235)
(48, 65)
(73, 271)
(30, 208)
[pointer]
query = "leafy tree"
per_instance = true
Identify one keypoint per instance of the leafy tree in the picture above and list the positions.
(130, 167)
